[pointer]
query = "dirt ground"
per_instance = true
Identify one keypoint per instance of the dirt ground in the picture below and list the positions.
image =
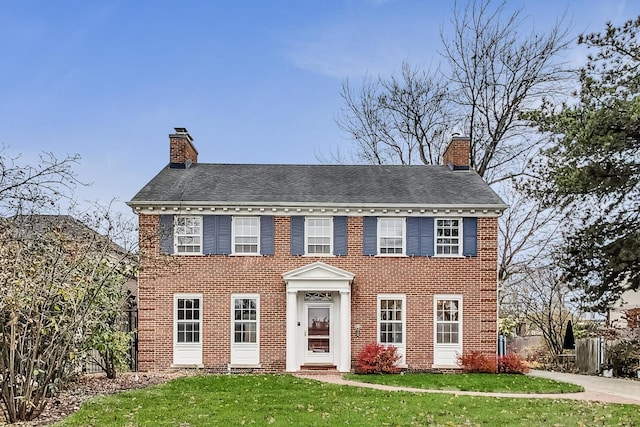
(92, 385)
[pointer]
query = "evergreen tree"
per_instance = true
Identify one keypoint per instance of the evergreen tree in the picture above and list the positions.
(593, 170)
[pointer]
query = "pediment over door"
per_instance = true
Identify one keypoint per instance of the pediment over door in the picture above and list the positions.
(318, 276)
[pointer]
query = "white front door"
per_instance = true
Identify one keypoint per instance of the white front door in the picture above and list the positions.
(318, 333)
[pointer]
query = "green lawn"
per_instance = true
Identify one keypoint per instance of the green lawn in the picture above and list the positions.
(283, 400)
(503, 383)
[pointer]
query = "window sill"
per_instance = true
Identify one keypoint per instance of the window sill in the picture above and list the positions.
(187, 366)
(449, 256)
(185, 254)
(434, 366)
(391, 256)
(240, 366)
(319, 255)
(241, 255)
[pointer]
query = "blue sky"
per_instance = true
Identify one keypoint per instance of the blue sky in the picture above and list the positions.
(252, 81)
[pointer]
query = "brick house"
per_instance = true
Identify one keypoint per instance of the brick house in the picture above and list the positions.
(287, 267)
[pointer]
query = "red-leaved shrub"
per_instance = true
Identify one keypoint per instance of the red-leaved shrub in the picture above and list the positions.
(475, 361)
(378, 359)
(512, 364)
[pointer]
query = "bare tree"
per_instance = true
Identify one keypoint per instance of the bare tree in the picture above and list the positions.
(539, 296)
(32, 188)
(400, 120)
(492, 73)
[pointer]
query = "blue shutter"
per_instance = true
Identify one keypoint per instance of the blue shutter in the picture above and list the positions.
(209, 241)
(297, 235)
(224, 235)
(266, 234)
(166, 234)
(470, 236)
(340, 235)
(414, 226)
(420, 236)
(369, 235)
(428, 244)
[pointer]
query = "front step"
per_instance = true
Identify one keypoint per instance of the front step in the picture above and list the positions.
(318, 369)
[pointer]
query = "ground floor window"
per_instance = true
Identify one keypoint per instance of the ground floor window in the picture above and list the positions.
(245, 320)
(188, 320)
(447, 313)
(448, 321)
(391, 319)
(187, 329)
(245, 329)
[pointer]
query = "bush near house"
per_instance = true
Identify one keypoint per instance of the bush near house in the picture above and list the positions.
(378, 359)
(512, 364)
(476, 362)
(624, 356)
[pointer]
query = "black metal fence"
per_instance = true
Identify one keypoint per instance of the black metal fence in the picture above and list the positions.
(129, 317)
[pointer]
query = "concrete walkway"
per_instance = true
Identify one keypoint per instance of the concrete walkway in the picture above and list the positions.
(597, 389)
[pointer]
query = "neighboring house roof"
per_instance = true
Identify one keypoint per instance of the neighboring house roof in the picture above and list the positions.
(364, 185)
(72, 228)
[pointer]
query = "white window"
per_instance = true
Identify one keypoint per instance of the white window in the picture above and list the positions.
(246, 235)
(448, 316)
(448, 235)
(188, 234)
(392, 321)
(447, 330)
(319, 236)
(187, 329)
(245, 329)
(245, 320)
(391, 236)
(188, 320)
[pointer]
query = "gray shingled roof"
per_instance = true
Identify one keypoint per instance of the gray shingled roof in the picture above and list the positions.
(339, 184)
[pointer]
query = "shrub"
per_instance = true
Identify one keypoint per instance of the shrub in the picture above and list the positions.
(625, 357)
(476, 362)
(512, 364)
(378, 359)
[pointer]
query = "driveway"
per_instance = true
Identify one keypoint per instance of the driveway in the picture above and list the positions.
(597, 389)
(622, 388)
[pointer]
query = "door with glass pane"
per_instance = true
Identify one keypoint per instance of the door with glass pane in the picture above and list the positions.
(318, 333)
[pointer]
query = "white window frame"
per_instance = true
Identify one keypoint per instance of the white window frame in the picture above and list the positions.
(380, 235)
(448, 245)
(177, 235)
(187, 353)
(437, 321)
(307, 235)
(177, 321)
(401, 346)
(245, 353)
(235, 234)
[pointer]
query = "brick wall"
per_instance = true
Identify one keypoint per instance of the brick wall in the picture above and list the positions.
(217, 277)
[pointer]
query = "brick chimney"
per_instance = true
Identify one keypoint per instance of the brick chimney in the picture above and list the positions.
(457, 154)
(182, 152)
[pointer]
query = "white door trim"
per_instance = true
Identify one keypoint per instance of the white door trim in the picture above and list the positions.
(318, 277)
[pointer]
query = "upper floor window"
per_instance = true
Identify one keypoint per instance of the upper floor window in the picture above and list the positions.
(448, 234)
(319, 233)
(391, 232)
(188, 234)
(246, 235)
